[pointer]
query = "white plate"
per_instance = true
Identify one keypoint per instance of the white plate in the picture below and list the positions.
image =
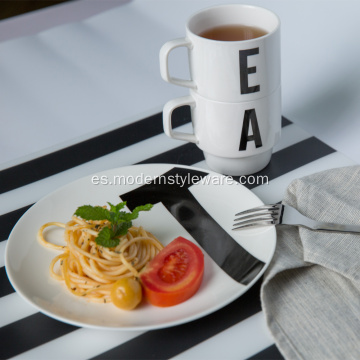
(27, 262)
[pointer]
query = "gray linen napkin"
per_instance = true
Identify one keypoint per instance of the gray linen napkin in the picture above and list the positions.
(311, 290)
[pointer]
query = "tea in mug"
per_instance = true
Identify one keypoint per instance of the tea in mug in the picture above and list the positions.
(233, 33)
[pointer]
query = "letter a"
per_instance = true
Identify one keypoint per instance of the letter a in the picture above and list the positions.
(250, 115)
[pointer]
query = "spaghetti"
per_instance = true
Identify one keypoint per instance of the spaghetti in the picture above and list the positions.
(90, 270)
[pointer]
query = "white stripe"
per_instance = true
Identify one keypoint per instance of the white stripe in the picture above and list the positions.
(13, 308)
(238, 342)
(2, 252)
(79, 344)
(274, 191)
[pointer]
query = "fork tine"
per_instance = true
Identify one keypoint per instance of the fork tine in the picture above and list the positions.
(255, 220)
(256, 215)
(254, 224)
(259, 208)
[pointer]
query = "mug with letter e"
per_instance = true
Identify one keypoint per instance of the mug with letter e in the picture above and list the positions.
(235, 86)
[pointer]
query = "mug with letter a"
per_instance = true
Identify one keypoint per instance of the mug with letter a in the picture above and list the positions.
(235, 86)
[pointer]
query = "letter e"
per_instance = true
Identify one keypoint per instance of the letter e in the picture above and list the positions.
(245, 71)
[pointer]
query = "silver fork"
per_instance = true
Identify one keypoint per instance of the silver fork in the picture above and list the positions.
(276, 214)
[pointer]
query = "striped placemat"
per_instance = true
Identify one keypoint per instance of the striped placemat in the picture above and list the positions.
(235, 331)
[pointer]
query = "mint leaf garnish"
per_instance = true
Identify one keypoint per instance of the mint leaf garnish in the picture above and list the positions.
(119, 221)
(88, 212)
(105, 238)
(122, 228)
(118, 207)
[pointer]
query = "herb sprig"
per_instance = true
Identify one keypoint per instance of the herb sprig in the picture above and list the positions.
(119, 221)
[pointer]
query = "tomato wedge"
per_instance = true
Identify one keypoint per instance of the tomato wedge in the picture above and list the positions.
(174, 274)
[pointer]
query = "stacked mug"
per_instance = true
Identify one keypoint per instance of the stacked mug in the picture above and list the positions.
(235, 90)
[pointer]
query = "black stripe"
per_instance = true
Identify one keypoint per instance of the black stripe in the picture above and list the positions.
(30, 332)
(291, 158)
(5, 286)
(187, 154)
(169, 342)
(282, 161)
(88, 150)
(270, 353)
(285, 121)
(8, 221)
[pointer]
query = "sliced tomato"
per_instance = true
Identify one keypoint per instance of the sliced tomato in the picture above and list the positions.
(174, 274)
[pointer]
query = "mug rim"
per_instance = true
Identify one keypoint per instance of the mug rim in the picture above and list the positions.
(210, 8)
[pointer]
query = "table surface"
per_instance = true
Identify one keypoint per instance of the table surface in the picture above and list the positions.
(65, 90)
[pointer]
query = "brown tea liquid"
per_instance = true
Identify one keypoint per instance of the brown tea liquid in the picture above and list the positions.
(233, 33)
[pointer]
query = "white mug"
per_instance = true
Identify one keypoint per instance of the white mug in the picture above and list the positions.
(236, 138)
(229, 71)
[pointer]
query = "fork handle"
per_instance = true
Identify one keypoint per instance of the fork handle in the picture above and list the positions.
(336, 227)
(293, 217)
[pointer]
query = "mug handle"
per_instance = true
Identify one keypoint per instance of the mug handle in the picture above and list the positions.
(169, 107)
(164, 62)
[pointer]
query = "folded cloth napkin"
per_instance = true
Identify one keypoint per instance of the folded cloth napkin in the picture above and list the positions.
(311, 291)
